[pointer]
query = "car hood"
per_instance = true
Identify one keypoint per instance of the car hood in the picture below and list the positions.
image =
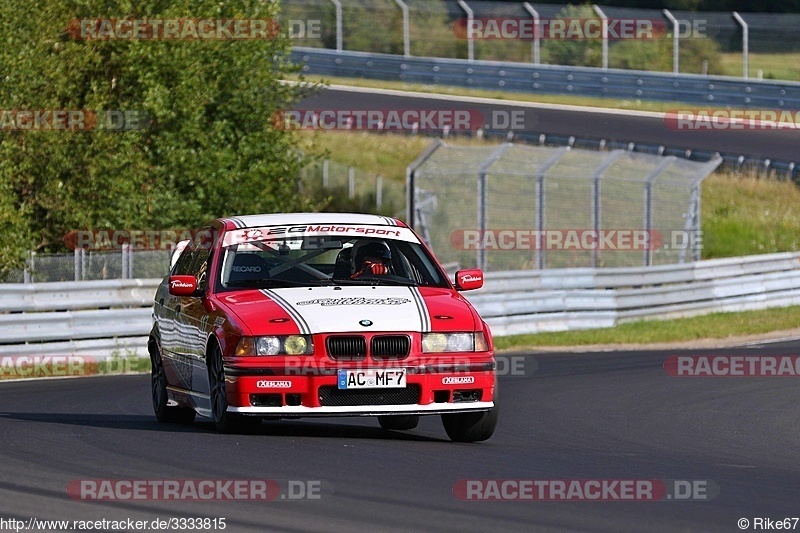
(355, 308)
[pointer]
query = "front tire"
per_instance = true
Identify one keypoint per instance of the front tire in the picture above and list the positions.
(399, 422)
(472, 427)
(158, 387)
(225, 421)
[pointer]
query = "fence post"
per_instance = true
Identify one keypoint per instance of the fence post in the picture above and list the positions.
(648, 205)
(130, 262)
(83, 264)
(541, 173)
(351, 182)
(745, 44)
(325, 176)
(676, 41)
(604, 18)
(77, 263)
(379, 191)
(406, 28)
(537, 35)
(339, 38)
(411, 179)
(27, 272)
(470, 39)
(124, 265)
(597, 175)
(483, 198)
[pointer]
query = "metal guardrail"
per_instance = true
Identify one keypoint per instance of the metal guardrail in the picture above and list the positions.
(96, 318)
(564, 299)
(107, 318)
(717, 91)
(67, 295)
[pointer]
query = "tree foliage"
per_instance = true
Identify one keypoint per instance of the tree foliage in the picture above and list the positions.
(208, 150)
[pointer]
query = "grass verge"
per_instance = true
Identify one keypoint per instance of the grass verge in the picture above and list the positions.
(713, 326)
(784, 67)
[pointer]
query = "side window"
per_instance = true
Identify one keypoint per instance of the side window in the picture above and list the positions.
(200, 267)
(202, 245)
(183, 266)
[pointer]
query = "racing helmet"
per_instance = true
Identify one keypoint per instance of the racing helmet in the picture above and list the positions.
(370, 250)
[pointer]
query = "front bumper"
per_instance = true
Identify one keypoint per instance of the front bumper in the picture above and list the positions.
(446, 385)
(366, 410)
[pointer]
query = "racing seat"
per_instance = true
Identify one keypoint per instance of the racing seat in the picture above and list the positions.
(341, 269)
(247, 266)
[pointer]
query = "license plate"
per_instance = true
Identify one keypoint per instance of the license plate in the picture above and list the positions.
(372, 379)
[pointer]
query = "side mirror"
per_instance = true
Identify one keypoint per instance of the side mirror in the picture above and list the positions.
(182, 285)
(469, 279)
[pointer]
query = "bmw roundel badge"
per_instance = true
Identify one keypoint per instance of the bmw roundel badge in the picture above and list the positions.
(366, 323)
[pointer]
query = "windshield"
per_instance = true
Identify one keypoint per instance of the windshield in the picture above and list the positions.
(327, 260)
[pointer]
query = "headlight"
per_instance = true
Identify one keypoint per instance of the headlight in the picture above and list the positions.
(453, 342)
(268, 345)
(295, 345)
(275, 345)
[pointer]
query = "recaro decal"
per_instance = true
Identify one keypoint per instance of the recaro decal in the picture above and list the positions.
(246, 269)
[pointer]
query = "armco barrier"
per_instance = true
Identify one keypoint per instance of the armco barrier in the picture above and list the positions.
(563, 299)
(96, 318)
(695, 89)
(106, 318)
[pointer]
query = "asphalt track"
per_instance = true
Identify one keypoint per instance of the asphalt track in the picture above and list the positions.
(644, 128)
(578, 416)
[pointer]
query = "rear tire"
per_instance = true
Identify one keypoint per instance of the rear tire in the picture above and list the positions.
(472, 427)
(399, 422)
(158, 387)
(225, 421)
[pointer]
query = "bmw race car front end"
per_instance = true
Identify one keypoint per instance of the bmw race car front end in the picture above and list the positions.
(362, 374)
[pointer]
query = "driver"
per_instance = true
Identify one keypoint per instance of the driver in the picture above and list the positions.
(371, 259)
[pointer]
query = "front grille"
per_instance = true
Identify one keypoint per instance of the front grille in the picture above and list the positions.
(390, 346)
(334, 397)
(343, 348)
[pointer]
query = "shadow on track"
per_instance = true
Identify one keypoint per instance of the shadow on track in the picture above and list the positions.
(270, 428)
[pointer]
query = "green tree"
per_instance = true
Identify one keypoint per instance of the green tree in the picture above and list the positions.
(209, 149)
(574, 52)
(657, 55)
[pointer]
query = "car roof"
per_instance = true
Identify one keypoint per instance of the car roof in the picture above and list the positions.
(289, 219)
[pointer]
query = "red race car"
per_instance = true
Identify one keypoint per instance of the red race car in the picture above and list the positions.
(296, 315)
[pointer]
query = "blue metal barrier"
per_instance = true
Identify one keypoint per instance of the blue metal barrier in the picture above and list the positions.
(714, 91)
